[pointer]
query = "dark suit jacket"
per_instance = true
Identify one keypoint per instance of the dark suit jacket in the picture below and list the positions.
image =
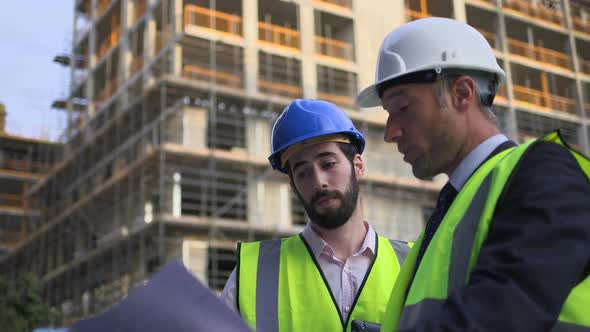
(537, 250)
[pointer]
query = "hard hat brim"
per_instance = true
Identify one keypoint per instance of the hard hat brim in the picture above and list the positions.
(369, 97)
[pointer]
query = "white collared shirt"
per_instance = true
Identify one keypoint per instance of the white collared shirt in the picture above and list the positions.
(475, 158)
(344, 277)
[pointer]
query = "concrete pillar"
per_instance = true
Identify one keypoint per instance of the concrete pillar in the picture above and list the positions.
(90, 108)
(459, 10)
(194, 127)
(258, 136)
(370, 32)
(396, 219)
(511, 127)
(250, 28)
(177, 28)
(307, 39)
(195, 258)
(269, 202)
(149, 39)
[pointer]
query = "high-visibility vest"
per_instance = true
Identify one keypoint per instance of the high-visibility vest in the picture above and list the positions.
(449, 259)
(280, 286)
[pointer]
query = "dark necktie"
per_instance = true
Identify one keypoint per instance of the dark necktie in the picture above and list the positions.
(445, 199)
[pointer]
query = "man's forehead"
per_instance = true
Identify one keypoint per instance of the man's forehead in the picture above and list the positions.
(315, 151)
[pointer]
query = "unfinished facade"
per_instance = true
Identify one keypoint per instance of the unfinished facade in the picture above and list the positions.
(23, 161)
(171, 108)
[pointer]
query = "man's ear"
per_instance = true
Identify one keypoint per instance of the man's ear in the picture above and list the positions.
(463, 92)
(359, 166)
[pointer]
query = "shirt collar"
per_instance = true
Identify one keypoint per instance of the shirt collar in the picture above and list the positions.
(475, 158)
(318, 245)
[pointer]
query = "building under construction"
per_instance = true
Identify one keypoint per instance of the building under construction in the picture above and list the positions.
(170, 111)
(23, 161)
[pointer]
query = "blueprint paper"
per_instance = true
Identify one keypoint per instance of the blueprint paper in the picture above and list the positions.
(172, 300)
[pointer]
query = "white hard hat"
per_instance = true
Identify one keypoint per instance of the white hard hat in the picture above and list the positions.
(420, 50)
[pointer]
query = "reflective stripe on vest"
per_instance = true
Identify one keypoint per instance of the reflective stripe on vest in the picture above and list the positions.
(463, 229)
(401, 250)
(292, 294)
(267, 285)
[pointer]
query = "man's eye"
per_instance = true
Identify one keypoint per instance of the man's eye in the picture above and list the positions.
(300, 174)
(329, 164)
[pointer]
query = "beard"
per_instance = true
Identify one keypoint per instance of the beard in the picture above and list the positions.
(333, 218)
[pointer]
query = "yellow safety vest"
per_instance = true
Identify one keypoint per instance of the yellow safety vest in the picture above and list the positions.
(280, 286)
(453, 251)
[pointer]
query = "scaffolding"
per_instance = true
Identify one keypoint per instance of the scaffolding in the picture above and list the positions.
(23, 161)
(170, 112)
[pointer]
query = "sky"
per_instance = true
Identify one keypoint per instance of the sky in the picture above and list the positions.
(32, 32)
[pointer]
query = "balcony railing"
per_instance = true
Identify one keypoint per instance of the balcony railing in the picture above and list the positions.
(206, 74)
(9, 239)
(281, 89)
(212, 19)
(8, 244)
(536, 11)
(24, 166)
(546, 101)
(412, 15)
(501, 95)
(580, 24)
(337, 99)
(538, 53)
(278, 35)
(334, 48)
(491, 37)
(338, 3)
(108, 43)
(11, 200)
(107, 91)
(493, 2)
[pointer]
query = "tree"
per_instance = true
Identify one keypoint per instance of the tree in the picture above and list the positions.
(21, 306)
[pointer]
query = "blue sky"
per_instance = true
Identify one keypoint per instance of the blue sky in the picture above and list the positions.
(32, 32)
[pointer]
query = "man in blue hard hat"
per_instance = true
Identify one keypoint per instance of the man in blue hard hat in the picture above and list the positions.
(337, 273)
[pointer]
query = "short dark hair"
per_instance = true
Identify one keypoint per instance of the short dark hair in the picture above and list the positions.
(349, 151)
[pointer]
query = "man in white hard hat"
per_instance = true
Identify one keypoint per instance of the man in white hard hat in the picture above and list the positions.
(508, 245)
(337, 273)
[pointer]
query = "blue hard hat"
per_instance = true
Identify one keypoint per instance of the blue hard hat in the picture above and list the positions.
(307, 118)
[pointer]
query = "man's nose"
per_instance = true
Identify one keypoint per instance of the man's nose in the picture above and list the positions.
(392, 131)
(320, 180)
